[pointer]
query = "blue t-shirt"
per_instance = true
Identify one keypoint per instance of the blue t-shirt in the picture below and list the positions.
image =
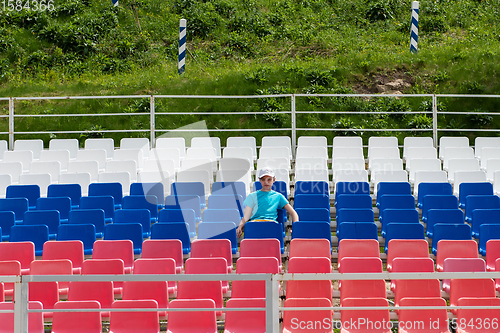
(265, 204)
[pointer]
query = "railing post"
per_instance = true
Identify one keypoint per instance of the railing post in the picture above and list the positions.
(434, 120)
(11, 123)
(152, 121)
(294, 127)
(21, 305)
(272, 304)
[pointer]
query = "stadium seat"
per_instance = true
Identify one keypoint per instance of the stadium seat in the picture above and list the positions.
(422, 164)
(78, 232)
(10, 267)
(86, 216)
(351, 176)
(311, 187)
(242, 142)
(74, 191)
(455, 249)
(92, 155)
(33, 145)
(314, 214)
(113, 189)
(50, 218)
(309, 289)
(198, 321)
(62, 156)
(30, 192)
(219, 230)
(480, 202)
(5, 181)
(107, 144)
(262, 248)
(486, 317)
(484, 142)
(105, 266)
(43, 180)
(154, 266)
(354, 215)
(438, 202)
(353, 201)
(466, 189)
(71, 145)
(71, 250)
(416, 288)
(164, 248)
(136, 143)
(308, 230)
(291, 317)
(122, 171)
(24, 252)
(240, 321)
(450, 216)
(303, 247)
(399, 216)
(125, 231)
(461, 164)
(184, 202)
(411, 248)
(426, 317)
(229, 188)
(35, 319)
(213, 248)
(17, 205)
(222, 215)
(483, 216)
(361, 288)
(14, 169)
(428, 177)
(347, 152)
(312, 141)
(369, 316)
(62, 204)
(7, 220)
(115, 249)
(357, 230)
(190, 188)
(176, 230)
(460, 288)
(487, 232)
(147, 189)
(462, 265)
(403, 231)
(392, 188)
(355, 164)
(100, 291)
(52, 267)
(123, 322)
(141, 216)
(451, 141)
(149, 202)
(357, 248)
(104, 202)
(395, 201)
(65, 322)
(467, 177)
(37, 234)
(210, 265)
(179, 215)
(492, 253)
(347, 141)
(450, 232)
(46, 293)
(253, 265)
(264, 230)
(311, 201)
(230, 201)
(432, 189)
(410, 265)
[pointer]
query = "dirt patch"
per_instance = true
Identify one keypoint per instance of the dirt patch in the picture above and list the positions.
(392, 82)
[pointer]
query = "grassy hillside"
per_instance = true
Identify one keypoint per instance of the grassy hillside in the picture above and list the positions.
(86, 47)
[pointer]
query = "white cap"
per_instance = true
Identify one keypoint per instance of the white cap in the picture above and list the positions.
(266, 172)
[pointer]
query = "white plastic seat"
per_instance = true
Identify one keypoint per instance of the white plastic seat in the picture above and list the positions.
(4, 146)
(311, 163)
(467, 177)
(312, 141)
(156, 177)
(108, 144)
(274, 152)
(193, 164)
(5, 180)
(53, 168)
(23, 156)
(456, 152)
(239, 152)
(128, 166)
(35, 146)
(423, 164)
(62, 156)
(351, 176)
(228, 163)
(42, 179)
(90, 167)
(348, 164)
(429, 177)
(451, 141)
(136, 143)
(277, 141)
(207, 142)
(493, 166)
(134, 154)
(382, 142)
(179, 143)
(386, 164)
(274, 163)
(81, 178)
(312, 175)
(243, 142)
(166, 154)
(235, 176)
(347, 141)
(489, 153)
(461, 164)
(196, 176)
(311, 151)
(117, 177)
(160, 166)
(388, 176)
(98, 155)
(14, 169)
(347, 152)
(416, 142)
(419, 152)
(377, 153)
(71, 145)
(485, 142)
(202, 153)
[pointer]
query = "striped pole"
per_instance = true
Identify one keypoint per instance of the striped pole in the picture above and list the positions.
(414, 27)
(182, 46)
(115, 2)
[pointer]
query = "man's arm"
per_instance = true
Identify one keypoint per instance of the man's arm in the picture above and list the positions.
(292, 212)
(247, 214)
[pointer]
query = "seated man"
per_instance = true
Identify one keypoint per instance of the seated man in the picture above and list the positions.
(263, 205)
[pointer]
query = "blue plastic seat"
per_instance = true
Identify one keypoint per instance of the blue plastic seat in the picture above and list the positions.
(313, 230)
(222, 215)
(278, 186)
(37, 234)
(480, 202)
(142, 216)
(483, 216)
(179, 215)
(149, 202)
(311, 201)
(17, 205)
(392, 188)
(353, 201)
(172, 231)
(487, 232)
(432, 201)
(229, 201)
(84, 216)
(392, 215)
(155, 189)
(351, 188)
(50, 218)
(466, 189)
(74, 191)
(314, 214)
(312, 187)
(30, 192)
(190, 188)
(395, 201)
(105, 202)
(432, 189)
(184, 202)
(403, 231)
(62, 204)
(113, 189)
(7, 220)
(357, 230)
(450, 232)
(450, 216)
(354, 215)
(121, 231)
(265, 230)
(82, 232)
(229, 188)
(219, 230)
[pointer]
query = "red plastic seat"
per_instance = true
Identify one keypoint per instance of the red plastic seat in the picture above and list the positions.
(54, 267)
(24, 252)
(309, 289)
(46, 292)
(132, 322)
(249, 265)
(431, 321)
(157, 266)
(357, 248)
(115, 249)
(210, 248)
(199, 321)
(455, 249)
(70, 322)
(470, 288)
(72, 250)
(217, 265)
(303, 247)
(321, 319)
(492, 253)
(245, 321)
(409, 248)
(416, 288)
(365, 320)
(261, 248)
(164, 248)
(411, 265)
(478, 320)
(101, 291)
(462, 265)
(35, 319)
(362, 288)
(141, 290)
(9, 267)
(105, 266)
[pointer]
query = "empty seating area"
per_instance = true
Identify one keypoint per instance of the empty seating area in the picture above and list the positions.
(364, 207)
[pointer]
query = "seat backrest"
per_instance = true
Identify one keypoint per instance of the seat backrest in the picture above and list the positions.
(357, 248)
(347, 152)
(147, 321)
(392, 188)
(121, 178)
(125, 231)
(94, 155)
(219, 230)
(347, 141)
(71, 250)
(212, 248)
(51, 267)
(291, 317)
(104, 202)
(243, 142)
(467, 177)
(82, 232)
(403, 231)
(101, 291)
(426, 317)
(434, 216)
(314, 214)
(300, 289)
(428, 177)
(375, 316)
(451, 141)
(229, 188)
(65, 322)
(38, 234)
(42, 179)
(202, 321)
(451, 232)
(112, 189)
(492, 253)
(480, 202)
(454, 249)
(70, 145)
(311, 229)
(438, 202)
(74, 191)
(355, 215)
(14, 168)
(221, 215)
(414, 248)
(62, 156)
(483, 142)
(254, 321)
(7, 220)
(173, 230)
(35, 319)
(416, 142)
(265, 230)
(149, 202)
(429, 188)
(163, 248)
(33, 145)
(179, 143)
(62, 204)
(83, 179)
(115, 249)
(470, 288)
(260, 248)
(30, 192)
(311, 201)
(351, 188)
(190, 188)
(136, 143)
(479, 315)
(303, 247)
(207, 142)
(486, 233)
(103, 266)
